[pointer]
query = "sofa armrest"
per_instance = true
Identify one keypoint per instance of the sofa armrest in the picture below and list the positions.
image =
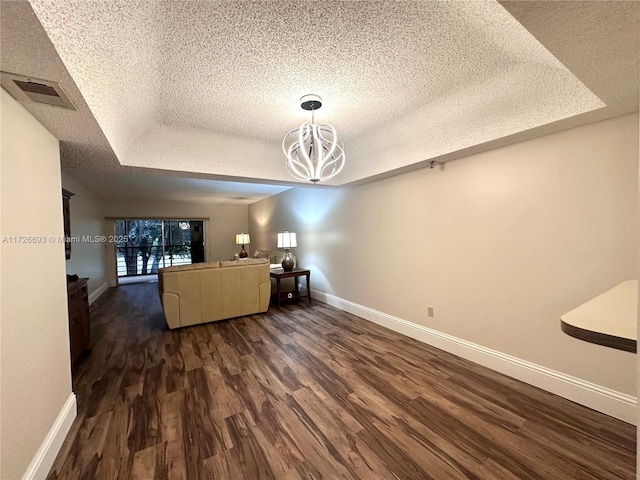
(171, 307)
(265, 295)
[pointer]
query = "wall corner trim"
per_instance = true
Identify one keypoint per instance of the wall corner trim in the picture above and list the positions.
(93, 296)
(610, 402)
(46, 454)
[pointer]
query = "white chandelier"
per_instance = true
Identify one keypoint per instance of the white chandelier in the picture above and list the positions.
(314, 152)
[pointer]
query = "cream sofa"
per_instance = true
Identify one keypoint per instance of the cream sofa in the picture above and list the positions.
(206, 292)
(275, 258)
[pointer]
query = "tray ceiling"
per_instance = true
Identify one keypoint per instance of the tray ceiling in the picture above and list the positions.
(210, 88)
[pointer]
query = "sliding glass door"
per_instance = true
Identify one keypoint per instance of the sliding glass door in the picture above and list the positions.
(144, 245)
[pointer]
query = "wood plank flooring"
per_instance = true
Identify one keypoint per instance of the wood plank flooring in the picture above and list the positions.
(312, 393)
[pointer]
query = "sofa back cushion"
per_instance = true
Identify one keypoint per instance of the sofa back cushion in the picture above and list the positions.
(182, 295)
(242, 262)
(192, 266)
(276, 256)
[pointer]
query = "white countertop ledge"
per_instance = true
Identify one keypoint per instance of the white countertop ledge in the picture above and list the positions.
(614, 313)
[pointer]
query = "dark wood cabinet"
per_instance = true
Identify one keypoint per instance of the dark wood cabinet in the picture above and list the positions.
(79, 320)
(66, 216)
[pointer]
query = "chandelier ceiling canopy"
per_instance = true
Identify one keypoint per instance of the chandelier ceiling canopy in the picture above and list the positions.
(314, 152)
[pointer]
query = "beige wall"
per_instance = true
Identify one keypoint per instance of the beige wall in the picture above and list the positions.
(35, 378)
(500, 243)
(87, 220)
(222, 222)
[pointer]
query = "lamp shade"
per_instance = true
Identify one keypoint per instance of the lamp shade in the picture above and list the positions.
(243, 239)
(287, 240)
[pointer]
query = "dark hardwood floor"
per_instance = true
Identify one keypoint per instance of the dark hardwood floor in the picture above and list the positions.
(312, 392)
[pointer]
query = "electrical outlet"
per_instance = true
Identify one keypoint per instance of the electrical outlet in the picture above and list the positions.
(430, 311)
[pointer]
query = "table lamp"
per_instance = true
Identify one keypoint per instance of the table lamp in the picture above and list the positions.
(243, 239)
(287, 240)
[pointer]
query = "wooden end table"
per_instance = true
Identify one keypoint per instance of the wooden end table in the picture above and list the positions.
(296, 273)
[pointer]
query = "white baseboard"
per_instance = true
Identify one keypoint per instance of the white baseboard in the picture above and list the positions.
(605, 400)
(46, 454)
(93, 296)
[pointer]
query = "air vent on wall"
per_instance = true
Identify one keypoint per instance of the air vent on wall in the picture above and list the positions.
(37, 90)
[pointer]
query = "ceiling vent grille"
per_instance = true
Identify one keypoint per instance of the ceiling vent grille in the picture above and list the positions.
(37, 90)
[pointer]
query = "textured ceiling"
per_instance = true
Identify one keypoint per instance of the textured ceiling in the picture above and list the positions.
(152, 186)
(209, 88)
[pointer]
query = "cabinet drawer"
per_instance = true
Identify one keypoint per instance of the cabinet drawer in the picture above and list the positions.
(74, 308)
(79, 294)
